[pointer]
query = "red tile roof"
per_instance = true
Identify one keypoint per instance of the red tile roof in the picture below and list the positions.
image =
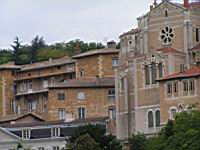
(192, 72)
(196, 47)
(168, 50)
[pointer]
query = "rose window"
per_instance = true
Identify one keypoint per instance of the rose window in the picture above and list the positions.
(167, 35)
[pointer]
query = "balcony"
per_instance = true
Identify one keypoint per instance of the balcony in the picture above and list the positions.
(42, 74)
(31, 91)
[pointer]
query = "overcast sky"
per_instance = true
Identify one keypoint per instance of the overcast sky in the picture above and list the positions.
(63, 20)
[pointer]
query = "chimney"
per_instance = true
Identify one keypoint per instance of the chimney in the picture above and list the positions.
(111, 44)
(186, 3)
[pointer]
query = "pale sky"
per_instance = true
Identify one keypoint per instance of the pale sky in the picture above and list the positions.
(63, 20)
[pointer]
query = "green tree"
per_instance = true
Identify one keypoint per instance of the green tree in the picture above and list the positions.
(181, 134)
(16, 47)
(84, 142)
(6, 55)
(98, 133)
(36, 44)
(19, 145)
(137, 141)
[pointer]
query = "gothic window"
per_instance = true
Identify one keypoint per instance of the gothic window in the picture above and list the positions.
(167, 35)
(157, 118)
(172, 113)
(150, 119)
(197, 35)
(153, 73)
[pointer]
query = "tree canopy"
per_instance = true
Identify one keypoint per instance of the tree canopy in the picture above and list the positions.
(38, 50)
(98, 137)
(181, 134)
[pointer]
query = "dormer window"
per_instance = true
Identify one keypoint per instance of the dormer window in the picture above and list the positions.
(55, 132)
(26, 134)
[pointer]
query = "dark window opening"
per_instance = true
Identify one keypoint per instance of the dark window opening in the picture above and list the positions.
(157, 118)
(197, 34)
(153, 73)
(58, 67)
(160, 68)
(150, 119)
(147, 75)
(166, 13)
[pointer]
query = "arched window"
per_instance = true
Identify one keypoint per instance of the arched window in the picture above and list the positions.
(147, 77)
(150, 119)
(172, 113)
(153, 73)
(157, 118)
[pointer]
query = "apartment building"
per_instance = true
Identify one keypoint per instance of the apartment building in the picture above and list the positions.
(161, 55)
(92, 93)
(61, 89)
(24, 88)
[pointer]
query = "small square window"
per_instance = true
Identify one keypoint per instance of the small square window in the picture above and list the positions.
(115, 62)
(81, 95)
(55, 132)
(32, 105)
(26, 134)
(61, 96)
(111, 94)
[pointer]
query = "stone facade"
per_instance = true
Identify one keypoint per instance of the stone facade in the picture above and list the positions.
(99, 63)
(94, 82)
(33, 88)
(25, 88)
(96, 102)
(160, 46)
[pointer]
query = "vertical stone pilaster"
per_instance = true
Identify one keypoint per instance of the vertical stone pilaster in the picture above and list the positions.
(100, 66)
(4, 97)
(187, 25)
